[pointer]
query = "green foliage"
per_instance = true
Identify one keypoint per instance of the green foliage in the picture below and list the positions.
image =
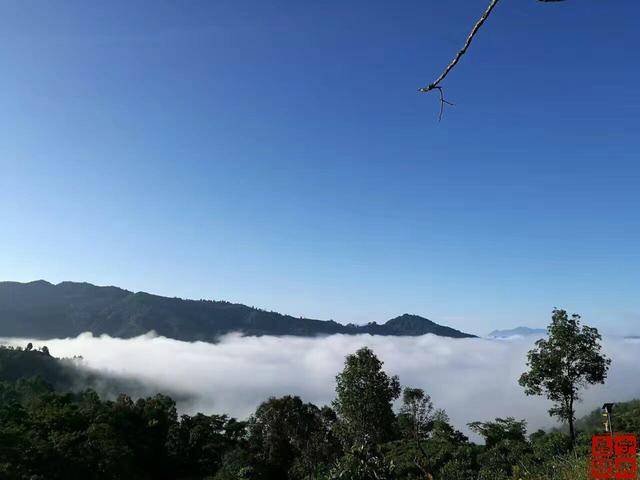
(504, 459)
(363, 462)
(291, 438)
(501, 429)
(50, 435)
(443, 450)
(236, 465)
(62, 374)
(564, 363)
(198, 443)
(566, 467)
(364, 396)
(550, 445)
(16, 363)
(416, 414)
(462, 464)
(626, 418)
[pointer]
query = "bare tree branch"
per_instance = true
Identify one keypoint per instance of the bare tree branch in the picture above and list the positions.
(464, 49)
(436, 84)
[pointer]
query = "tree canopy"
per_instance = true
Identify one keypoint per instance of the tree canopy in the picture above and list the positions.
(561, 365)
(364, 396)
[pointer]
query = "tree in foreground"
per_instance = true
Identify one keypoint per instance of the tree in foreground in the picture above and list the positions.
(292, 439)
(500, 430)
(416, 421)
(364, 396)
(362, 463)
(567, 361)
(506, 448)
(416, 414)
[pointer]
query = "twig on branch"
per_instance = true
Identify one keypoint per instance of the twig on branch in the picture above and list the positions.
(442, 102)
(436, 84)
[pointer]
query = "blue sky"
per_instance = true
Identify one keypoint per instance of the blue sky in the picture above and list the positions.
(278, 154)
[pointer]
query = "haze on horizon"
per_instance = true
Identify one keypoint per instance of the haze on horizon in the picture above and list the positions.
(279, 156)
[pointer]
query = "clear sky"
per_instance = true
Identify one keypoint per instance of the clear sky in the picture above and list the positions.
(276, 153)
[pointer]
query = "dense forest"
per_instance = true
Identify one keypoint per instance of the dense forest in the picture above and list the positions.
(42, 310)
(51, 430)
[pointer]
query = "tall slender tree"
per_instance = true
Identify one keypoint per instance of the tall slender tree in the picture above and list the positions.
(364, 396)
(561, 365)
(416, 413)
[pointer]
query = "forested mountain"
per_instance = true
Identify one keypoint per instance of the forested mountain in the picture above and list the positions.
(71, 375)
(43, 310)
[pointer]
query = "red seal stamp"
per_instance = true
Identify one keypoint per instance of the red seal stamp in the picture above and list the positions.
(614, 457)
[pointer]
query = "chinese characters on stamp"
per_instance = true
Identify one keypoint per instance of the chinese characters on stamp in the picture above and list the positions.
(614, 457)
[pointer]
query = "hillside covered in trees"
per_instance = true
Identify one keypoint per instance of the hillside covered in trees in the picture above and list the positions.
(43, 310)
(49, 431)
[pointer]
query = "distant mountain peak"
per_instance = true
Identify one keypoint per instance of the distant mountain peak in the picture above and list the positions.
(44, 310)
(411, 324)
(410, 317)
(517, 332)
(409, 320)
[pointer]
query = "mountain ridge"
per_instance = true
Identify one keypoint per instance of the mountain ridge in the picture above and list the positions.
(41, 309)
(518, 331)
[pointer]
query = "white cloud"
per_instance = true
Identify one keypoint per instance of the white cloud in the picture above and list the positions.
(473, 379)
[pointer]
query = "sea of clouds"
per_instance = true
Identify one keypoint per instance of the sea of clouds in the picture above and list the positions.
(473, 379)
